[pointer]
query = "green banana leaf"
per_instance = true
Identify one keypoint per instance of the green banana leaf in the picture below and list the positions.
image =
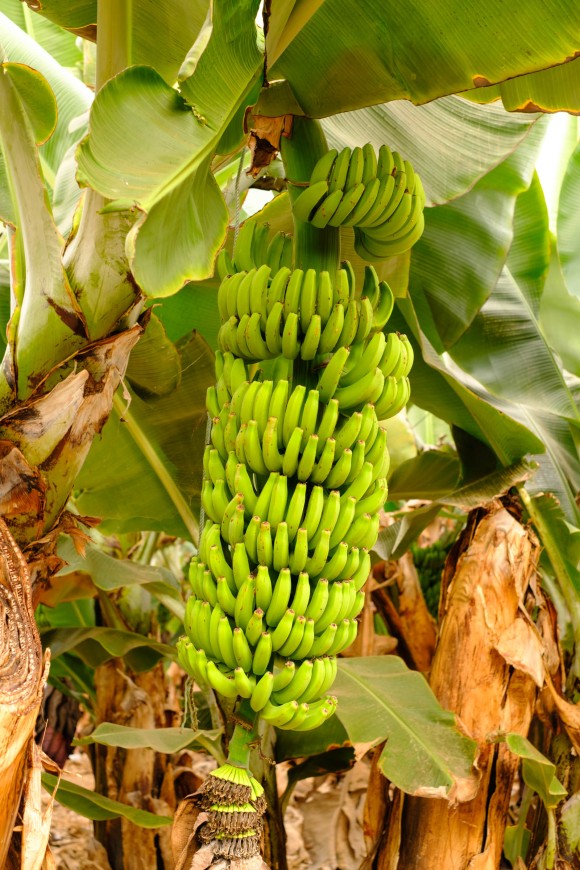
(458, 260)
(418, 50)
(167, 740)
(97, 807)
(551, 90)
(149, 145)
(538, 772)
(528, 259)
(59, 44)
(381, 700)
(72, 96)
(559, 316)
(145, 470)
(97, 645)
(100, 571)
(503, 356)
(450, 142)
(161, 31)
(434, 475)
(47, 323)
(193, 307)
(79, 16)
(569, 224)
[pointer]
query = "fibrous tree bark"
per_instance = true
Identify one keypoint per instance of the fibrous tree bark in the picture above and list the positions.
(23, 672)
(486, 670)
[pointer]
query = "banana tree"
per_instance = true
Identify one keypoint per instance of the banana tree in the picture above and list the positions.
(152, 219)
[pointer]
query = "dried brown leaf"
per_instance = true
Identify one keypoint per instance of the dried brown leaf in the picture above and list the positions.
(520, 645)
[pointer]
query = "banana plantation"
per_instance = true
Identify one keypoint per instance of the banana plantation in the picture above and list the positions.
(289, 435)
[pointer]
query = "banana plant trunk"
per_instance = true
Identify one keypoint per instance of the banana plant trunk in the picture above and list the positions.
(23, 672)
(142, 778)
(476, 673)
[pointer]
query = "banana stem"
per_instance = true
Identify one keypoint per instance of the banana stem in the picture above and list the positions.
(244, 736)
(313, 248)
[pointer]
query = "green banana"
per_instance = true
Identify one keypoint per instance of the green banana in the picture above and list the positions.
(264, 546)
(325, 297)
(318, 600)
(348, 432)
(340, 470)
(244, 684)
(264, 588)
(263, 501)
(225, 597)
(322, 215)
(255, 626)
(279, 715)
(308, 459)
(277, 506)
(329, 380)
(322, 468)
(245, 603)
(311, 340)
(262, 691)
(274, 251)
(280, 600)
(243, 256)
(332, 330)
(327, 424)
(295, 637)
(316, 562)
(276, 291)
(278, 404)
(339, 171)
(280, 556)
(292, 453)
(317, 678)
(262, 653)
(225, 641)
(209, 588)
(283, 674)
(314, 510)
(271, 455)
(301, 597)
(309, 200)
(295, 510)
(324, 166)
(337, 562)
(364, 205)
(297, 685)
(303, 649)
(299, 555)
(241, 649)
(290, 343)
(282, 631)
(223, 685)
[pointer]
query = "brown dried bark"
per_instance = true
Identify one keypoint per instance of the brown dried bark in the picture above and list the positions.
(140, 777)
(22, 678)
(484, 670)
(409, 621)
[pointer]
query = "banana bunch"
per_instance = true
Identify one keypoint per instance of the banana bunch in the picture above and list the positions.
(294, 479)
(382, 198)
(252, 249)
(299, 313)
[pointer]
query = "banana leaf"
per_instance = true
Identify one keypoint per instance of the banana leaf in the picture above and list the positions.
(381, 700)
(59, 44)
(145, 470)
(569, 224)
(417, 50)
(152, 146)
(72, 96)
